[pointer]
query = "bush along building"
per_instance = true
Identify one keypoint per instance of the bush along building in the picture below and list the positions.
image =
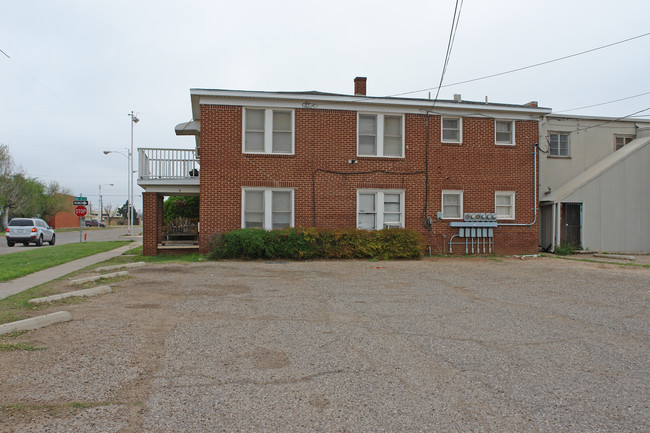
(463, 174)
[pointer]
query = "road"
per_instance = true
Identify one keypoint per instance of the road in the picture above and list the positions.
(92, 235)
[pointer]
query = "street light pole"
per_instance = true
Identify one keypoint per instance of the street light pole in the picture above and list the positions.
(129, 156)
(101, 205)
(134, 120)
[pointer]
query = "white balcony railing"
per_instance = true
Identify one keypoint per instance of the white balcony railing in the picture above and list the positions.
(168, 164)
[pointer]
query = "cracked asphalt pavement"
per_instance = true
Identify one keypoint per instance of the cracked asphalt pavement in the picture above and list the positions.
(443, 344)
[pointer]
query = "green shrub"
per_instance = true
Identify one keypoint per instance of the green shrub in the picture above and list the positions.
(311, 243)
(564, 250)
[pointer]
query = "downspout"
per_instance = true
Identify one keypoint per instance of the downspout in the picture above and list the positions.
(534, 192)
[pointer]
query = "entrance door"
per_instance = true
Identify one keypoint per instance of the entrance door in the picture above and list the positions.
(571, 219)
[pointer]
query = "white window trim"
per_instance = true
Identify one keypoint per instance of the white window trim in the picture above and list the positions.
(379, 203)
(512, 204)
(268, 213)
(624, 137)
(558, 133)
(442, 203)
(268, 131)
(512, 136)
(460, 129)
(380, 134)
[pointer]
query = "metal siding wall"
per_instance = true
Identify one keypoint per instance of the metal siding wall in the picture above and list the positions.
(616, 206)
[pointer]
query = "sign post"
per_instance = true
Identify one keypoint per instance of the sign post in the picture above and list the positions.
(80, 204)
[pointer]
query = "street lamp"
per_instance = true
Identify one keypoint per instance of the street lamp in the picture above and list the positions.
(101, 205)
(134, 120)
(129, 157)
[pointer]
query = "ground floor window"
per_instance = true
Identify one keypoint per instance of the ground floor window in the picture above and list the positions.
(504, 204)
(452, 204)
(379, 209)
(267, 208)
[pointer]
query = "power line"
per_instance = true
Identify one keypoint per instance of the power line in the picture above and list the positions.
(450, 45)
(603, 103)
(525, 67)
(610, 121)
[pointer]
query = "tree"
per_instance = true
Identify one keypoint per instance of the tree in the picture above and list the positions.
(108, 211)
(181, 206)
(23, 196)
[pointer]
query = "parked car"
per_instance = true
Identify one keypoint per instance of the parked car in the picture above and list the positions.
(95, 223)
(29, 230)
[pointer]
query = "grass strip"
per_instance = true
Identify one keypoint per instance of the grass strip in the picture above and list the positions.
(19, 264)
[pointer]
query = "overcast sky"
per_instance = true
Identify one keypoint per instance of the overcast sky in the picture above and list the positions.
(75, 69)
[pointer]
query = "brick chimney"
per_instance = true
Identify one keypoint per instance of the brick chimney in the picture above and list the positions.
(360, 86)
(531, 104)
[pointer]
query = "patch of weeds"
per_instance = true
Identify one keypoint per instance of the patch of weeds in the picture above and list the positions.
(53, 409)
(10, 347)
(564, 250)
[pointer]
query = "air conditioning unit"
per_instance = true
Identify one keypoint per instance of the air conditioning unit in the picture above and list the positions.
(392, 226)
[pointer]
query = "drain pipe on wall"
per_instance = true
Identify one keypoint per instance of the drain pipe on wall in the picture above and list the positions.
(535, 194)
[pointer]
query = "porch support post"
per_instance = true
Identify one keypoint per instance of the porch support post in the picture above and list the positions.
(152, 222)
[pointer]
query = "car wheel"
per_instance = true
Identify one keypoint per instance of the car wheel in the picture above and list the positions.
(9, 243)
(53, 239)
(39, 241)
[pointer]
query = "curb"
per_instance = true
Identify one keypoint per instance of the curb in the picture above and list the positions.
(115, 267)
(615, 257)
(98, 277)
(35, 322)
(79, 293)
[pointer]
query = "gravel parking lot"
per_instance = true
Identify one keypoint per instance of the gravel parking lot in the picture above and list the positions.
(445, 345)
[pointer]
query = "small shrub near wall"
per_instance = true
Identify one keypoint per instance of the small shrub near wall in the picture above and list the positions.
(309, 243)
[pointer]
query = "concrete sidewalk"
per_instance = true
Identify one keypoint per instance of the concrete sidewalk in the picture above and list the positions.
(9, 288)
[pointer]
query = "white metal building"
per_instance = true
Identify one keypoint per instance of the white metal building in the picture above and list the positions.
(606, 207)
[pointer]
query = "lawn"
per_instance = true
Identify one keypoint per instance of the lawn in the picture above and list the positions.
(17, 265)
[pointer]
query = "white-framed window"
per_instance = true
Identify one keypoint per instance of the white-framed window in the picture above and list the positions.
(558, 145)
(452, 204)
(622, 140)
(504, 204)
(267, 208)
(268, 130)
(380, 209)
(451, 129)
(380, 135)
(504, 132)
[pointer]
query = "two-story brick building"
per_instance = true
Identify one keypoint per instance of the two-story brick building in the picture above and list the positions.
(312, 159)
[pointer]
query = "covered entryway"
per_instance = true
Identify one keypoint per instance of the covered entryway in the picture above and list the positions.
(163, 173)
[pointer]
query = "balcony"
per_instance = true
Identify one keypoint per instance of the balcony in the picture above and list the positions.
(168, 170)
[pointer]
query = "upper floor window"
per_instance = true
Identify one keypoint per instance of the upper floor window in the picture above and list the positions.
(452, 204)
(558, 144)
(452, 130)
(268, 131)
(504, 132)
(622, 140)
(378, 210)
(267, 208)
(504, 204)
(380, 135)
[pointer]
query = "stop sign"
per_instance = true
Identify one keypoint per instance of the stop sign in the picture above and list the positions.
(80, 211)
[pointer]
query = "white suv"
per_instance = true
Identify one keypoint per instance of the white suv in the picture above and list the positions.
(29, 230)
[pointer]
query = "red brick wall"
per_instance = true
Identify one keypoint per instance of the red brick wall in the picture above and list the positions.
(326, 139)
(152, 210)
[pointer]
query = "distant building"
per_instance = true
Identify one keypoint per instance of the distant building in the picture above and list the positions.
(66, 218)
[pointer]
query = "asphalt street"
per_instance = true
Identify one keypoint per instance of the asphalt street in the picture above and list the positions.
(91, 235)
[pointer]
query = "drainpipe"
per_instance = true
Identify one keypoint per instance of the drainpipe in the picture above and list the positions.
(534, 191)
